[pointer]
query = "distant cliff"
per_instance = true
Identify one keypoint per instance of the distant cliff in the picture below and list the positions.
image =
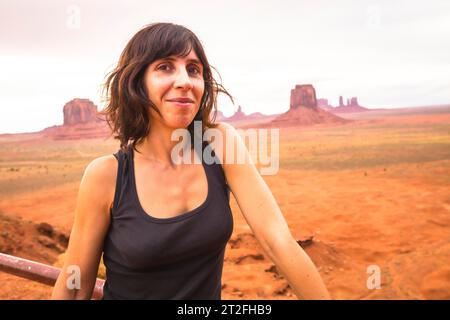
(81, 121)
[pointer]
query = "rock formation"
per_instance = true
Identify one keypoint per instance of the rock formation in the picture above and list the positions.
(79, 111)
(303, 95)
(219, 116)
(240, 120)
(323, 104)
(238, 115)
(303, 110)
(351, 106)
(81, 121)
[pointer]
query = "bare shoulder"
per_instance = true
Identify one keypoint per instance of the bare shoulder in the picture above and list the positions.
(104, 167)
(227, 131)
(100, 175)
(224, 127)
(232, 150)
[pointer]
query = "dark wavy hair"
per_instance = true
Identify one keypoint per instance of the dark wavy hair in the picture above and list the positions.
(127, 103)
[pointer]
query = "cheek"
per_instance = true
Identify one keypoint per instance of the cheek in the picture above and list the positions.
(156, 88)
(200, 88)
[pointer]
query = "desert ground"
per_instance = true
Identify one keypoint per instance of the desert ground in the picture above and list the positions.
(374, 192)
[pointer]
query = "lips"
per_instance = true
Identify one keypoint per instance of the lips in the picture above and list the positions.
(182, 100)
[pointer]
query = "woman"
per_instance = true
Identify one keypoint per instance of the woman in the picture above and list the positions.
(163, 227)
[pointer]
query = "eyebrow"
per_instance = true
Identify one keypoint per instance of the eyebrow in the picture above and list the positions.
(189, 60)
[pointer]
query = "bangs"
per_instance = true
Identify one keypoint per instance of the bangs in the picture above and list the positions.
(177, 44)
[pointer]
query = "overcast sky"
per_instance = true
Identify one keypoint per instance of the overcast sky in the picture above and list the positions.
(387, 53)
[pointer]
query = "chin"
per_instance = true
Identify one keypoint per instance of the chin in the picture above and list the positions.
(180, 122)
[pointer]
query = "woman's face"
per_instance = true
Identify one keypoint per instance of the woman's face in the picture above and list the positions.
(174, 78)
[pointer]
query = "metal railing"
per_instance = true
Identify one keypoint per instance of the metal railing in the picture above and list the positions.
(39, 272)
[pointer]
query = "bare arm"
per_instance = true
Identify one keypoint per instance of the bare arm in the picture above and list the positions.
(263, 215)
(89, 229)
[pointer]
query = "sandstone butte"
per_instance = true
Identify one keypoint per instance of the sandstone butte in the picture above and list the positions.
(303, 110)
(81, 120)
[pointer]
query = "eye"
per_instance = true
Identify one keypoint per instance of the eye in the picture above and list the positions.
(195, 69)
(163, 67)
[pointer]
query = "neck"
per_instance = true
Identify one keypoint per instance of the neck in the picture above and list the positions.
(157, 145)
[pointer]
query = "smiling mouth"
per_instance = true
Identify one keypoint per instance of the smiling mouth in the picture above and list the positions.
(182, 104)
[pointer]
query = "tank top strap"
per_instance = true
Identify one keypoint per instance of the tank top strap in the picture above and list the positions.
(121, 157)
(216, 168)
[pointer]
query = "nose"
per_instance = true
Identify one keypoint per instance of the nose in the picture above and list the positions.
(182, 79)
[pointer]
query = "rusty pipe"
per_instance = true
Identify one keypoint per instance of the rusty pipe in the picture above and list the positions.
(39, 272)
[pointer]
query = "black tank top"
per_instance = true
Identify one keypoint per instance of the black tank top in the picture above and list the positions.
(166, 258)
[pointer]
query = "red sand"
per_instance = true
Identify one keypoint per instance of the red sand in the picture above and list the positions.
(393, 216)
